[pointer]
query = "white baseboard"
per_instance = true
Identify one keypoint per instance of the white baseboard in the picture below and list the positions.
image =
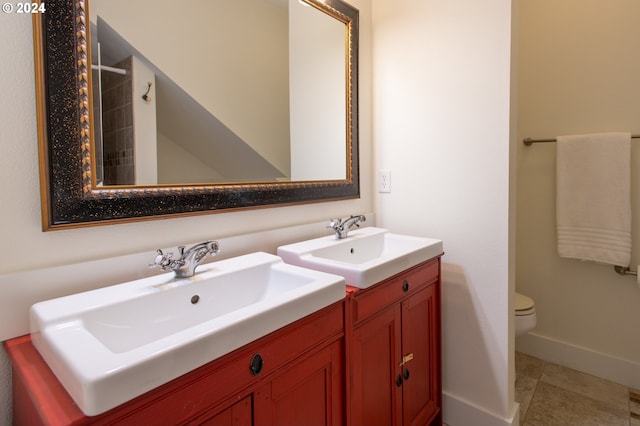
(588, 361)
(457, 412)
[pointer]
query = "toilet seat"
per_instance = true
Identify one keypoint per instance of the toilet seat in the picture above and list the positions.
(524, 305)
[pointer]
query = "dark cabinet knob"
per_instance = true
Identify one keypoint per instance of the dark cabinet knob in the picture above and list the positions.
(406, 374)
(256, 364)
(405, 286)
(399, 380)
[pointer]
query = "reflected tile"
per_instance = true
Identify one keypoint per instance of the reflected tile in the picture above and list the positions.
(584, 384)
(529, 366)
(525, 387)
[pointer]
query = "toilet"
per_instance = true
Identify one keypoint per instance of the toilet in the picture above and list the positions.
(525, 311)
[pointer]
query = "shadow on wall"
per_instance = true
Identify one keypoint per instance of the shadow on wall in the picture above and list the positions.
(469, 375)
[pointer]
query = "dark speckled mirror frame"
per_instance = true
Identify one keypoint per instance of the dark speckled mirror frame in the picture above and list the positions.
(70, 197)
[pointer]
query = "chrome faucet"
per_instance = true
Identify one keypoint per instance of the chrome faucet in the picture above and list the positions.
(189, 259)
(341, 227)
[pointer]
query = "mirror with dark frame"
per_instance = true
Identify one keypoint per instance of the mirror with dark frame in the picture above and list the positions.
(233, 162)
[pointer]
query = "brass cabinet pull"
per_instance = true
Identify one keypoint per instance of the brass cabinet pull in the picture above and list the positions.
(406, 359)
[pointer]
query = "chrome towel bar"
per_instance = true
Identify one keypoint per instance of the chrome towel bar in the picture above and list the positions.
(624, 270)
(529, 141)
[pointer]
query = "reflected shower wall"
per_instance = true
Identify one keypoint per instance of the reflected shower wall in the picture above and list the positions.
(117, 125)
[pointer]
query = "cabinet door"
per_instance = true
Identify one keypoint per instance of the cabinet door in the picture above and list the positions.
(420, 357)
(309, 392)
(239, 414)
(376, 368)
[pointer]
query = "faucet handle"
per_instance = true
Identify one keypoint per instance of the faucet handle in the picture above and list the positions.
(213, 247)
(164, 261)
(334, 223)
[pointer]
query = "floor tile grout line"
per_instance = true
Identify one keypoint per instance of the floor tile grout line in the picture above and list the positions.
(533, 393)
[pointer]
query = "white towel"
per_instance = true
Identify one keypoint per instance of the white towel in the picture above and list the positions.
(593, 208)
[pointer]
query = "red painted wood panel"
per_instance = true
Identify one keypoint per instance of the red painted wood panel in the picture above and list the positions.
(239, 414)
(309, 392)
(375, 358)
(419, 388)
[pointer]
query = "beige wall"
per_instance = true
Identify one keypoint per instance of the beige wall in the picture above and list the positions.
(579, 72)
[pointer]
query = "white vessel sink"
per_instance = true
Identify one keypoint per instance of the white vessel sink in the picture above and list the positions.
(367, 256)
(110, 345)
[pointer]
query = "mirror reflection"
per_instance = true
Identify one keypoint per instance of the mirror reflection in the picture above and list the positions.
(217, 91)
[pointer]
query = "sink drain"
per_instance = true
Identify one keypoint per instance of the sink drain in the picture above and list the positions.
(195, 299)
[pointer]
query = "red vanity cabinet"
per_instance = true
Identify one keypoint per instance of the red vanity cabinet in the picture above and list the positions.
(394, 350)
(301, 381)
(371, 359)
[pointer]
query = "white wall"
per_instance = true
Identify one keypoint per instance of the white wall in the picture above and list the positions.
(25, 247)
(441, 124)
(579, 72)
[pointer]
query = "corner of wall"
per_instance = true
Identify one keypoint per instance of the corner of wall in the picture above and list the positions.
(457, 411)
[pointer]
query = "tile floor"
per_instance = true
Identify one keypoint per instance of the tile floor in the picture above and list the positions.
(552, 395)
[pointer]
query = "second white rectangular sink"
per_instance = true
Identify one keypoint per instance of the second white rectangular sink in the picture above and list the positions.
(367, 256)
(112, 344)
